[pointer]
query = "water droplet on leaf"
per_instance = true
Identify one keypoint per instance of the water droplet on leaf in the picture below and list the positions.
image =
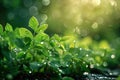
(30, 72)
(85, 73)
(112, 56)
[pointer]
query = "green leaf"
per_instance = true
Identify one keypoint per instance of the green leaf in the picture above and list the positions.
(1, 29)
(41, 37)
(35, 66)
(23, 32)
(43, 27)
(55, 63)
(29, 56)
(20, 55)
(8, 27)
(33, 23)
(56, 37)
(118, 78)
(19, 42)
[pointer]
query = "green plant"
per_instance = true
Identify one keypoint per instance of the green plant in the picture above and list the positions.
(33, 51)
(32, 54)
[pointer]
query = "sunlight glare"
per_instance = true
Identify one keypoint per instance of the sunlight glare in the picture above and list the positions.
(96, 2)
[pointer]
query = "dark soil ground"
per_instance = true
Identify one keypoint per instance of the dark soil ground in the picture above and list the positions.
(95, 74)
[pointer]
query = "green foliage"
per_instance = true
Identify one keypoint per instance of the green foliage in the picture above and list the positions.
(42, 27)
(1, 29)
(23, 32)
(8, 27)
(118, 78)
(22, 51)
(33, 23)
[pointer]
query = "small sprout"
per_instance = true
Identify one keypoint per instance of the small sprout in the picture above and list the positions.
(86, 66)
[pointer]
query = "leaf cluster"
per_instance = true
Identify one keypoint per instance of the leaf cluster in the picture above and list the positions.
(26, 54)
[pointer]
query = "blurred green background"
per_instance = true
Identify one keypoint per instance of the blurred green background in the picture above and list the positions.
(95, 19)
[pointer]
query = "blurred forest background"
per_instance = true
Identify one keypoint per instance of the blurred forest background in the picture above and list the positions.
(96, 19)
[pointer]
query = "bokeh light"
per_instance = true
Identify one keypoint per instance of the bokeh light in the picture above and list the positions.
(84, 17)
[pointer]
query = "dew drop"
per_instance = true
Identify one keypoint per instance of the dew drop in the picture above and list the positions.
(80, 49)
(83, 62)
(38, 64)
(41, 42)
(110, 73)
(60, 70)
(24, 53)
(86, 66)
(85, 73)
(67, 65)
(44, 63)
(91, 66)
(98, 64)
(112, 56)
(87, 55)
(74, 41)
(30, 72)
